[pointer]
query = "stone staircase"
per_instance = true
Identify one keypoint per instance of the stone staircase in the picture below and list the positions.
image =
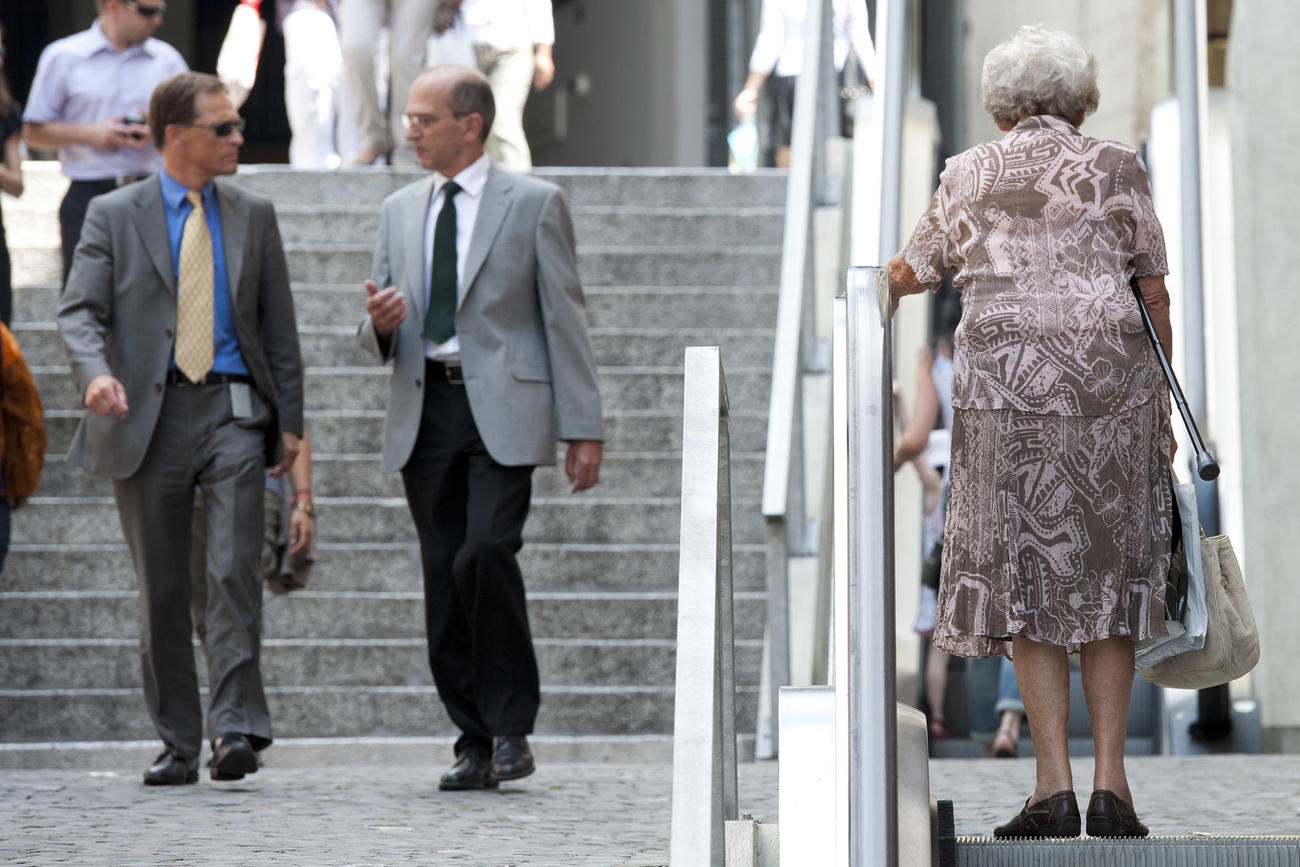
(669, 258)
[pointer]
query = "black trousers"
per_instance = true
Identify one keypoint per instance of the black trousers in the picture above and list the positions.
(72, 214)
(469, 512)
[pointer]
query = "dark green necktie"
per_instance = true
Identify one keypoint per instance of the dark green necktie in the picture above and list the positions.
(440, 321)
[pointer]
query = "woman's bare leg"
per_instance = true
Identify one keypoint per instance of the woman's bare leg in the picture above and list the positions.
(1107, 684)
(1044, 678)
(936, 682)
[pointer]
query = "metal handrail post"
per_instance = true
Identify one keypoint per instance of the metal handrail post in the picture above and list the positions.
(704, 732)
(873, 715)
(783, 505)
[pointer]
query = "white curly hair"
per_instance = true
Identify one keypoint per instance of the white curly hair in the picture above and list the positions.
(1039, 70)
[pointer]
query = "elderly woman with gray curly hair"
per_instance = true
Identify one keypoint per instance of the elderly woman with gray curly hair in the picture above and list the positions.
(1059, 506)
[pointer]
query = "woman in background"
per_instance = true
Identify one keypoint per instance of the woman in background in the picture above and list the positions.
(11, 178)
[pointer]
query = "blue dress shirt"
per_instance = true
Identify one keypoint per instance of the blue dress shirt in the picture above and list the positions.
(226, 357)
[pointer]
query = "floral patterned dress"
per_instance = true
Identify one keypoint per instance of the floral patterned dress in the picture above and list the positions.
(1059, 502)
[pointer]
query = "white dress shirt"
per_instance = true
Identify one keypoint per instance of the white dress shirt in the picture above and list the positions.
(471, 180)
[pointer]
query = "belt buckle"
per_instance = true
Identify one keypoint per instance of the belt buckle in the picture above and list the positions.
(453, 374)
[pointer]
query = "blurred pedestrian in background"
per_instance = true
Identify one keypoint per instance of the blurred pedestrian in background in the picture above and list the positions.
(11, 178)
(90, 101)
(321, 117)
(409, 24)
(778, 54)
(513, 42)
(1059, 502)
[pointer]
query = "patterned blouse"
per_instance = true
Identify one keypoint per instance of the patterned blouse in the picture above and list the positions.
(1044, 230)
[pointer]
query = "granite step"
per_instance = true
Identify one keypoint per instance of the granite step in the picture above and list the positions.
(584, 517)
(655, 474)
(348, 711)
(609, 265)
(336, 345)
(706, 309)
(353, 388)
(362, 431)
(663, 187)
(623, 567)
(114, 663)
(315, 614)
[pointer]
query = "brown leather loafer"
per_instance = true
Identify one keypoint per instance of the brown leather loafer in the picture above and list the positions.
(1110, 816)
(1056, 815)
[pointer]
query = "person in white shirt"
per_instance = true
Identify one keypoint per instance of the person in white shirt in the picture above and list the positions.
(409, 24)
(513, 43)
(778, 53)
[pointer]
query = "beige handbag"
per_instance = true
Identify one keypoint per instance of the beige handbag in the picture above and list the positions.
(1231, 639)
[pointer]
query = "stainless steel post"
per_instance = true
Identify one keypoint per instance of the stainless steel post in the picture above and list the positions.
(873, 720)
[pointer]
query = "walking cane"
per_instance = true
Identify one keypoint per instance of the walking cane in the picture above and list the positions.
(1206, 466)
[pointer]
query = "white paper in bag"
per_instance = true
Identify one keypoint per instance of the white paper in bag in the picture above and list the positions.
(1190, 634)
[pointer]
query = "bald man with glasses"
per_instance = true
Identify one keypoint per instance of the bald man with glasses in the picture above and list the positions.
(89, 101)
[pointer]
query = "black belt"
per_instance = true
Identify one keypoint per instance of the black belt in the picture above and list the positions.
(450, 372)
(175, 377)
(117, 181)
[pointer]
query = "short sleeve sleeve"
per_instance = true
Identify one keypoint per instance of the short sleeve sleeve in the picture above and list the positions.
(47, 95)
(932, 250)
(1149, 257)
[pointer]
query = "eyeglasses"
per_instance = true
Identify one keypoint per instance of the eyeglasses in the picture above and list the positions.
(223, 129)
(145, 11)
(420, 121)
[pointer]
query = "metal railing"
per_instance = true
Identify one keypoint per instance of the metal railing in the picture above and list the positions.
(862, 756)
(704, 724)
(789, 532)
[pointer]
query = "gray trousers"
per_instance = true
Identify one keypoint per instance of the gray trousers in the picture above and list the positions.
(198, 442)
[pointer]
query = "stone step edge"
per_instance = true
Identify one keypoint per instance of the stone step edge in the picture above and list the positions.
(112, 756)
(393, 595)
(662, 643)
(394, 502)
(547, 689)
(595, 547)
(608, 456)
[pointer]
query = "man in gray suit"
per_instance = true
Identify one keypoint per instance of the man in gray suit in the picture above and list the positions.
(483, 318)
(180, 325)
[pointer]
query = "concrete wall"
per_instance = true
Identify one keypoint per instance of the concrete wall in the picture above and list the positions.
(1262, 64)
(646, 64)
(1129, 37)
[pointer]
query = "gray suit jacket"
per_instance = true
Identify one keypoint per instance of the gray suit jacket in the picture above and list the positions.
(118, 316)
(529, 370)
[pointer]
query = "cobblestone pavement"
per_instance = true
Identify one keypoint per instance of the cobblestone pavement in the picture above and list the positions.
(566, 815)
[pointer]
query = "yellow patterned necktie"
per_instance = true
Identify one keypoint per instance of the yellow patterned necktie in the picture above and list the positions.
(194, 316)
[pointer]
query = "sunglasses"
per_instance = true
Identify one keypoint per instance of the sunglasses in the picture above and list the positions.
(145, 11)
(223, 129)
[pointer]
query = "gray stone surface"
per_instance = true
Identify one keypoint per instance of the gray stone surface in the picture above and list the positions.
(114, 663)
(93, 520)
(335, 812)
(394, 566)
(669, 258)
(357, 615)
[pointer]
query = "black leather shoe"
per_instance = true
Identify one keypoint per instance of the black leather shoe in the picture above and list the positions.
(1055, 816)
(171, 769)
(511, 758)
(473, 770)
(1110, 816)
(232, 757)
